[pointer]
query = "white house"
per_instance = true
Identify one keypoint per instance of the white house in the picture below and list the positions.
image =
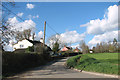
(22, 44)
(26, 43)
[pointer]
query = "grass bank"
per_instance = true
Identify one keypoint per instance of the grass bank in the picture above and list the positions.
(101, 62)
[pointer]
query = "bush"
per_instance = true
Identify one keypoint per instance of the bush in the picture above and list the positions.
(30, 49)
(17, 62)
(72, 62)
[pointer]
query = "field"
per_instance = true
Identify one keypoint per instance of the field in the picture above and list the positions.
(100, 62)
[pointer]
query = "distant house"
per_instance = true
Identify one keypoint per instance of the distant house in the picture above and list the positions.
(76, 50)
(66, 48)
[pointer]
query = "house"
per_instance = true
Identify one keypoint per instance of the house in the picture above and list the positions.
(66, 48)
(76, 50)
(23, 44)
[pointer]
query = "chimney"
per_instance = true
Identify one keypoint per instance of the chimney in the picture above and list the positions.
(41, 40)
(33, 36)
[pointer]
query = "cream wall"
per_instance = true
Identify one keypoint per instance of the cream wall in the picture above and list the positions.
(25, 44)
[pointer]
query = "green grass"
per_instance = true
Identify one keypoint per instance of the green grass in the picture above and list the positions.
(101, 62)
(105, 57)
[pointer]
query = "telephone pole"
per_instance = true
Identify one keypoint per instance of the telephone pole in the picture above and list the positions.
(44, 33)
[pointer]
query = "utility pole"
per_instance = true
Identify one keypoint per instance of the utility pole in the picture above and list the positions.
(44, 33)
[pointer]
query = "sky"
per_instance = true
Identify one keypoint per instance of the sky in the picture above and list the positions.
(93, 22)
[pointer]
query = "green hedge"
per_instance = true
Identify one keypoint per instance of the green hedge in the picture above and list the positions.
(16, 62)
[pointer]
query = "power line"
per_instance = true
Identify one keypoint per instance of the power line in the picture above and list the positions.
(52, 29)
(28, 23)
(15, 14)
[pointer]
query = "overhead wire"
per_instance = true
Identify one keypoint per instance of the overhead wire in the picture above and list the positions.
(49, 26)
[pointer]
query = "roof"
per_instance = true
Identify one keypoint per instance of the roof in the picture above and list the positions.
(34, 42)
(38, 42)
(68, 47)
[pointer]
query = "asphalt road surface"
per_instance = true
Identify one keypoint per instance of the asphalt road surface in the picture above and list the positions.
(56, 70)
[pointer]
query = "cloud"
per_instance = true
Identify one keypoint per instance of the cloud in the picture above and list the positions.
(108, 23)
(37, 16)
(20, 14)
(106, 37)
(39, 35)
(33, 17)
(71, 37)
(14, 24)
(9, 47)
(30, 6)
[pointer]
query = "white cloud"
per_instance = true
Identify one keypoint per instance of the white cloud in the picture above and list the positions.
(106, 37)
(71, 37)
(9, 47)
(30, 6)
(108, 23)
(14, 24)
(39, 35)
(33, 17)
(20, 14)
(37, 16)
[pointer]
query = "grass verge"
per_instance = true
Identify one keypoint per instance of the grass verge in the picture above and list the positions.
(102, 62)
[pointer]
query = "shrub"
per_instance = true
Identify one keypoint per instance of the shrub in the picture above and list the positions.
(17, 62)
(30, 49)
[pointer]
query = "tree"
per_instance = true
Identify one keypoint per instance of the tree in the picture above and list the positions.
(26, 34)
(97, 48)
(115, 43)
(111, 48)
(56, 47)
(84, 47)
(55, 38)
(5, 28)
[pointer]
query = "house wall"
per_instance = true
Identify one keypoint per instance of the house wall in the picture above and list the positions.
(64, 49)
(22, 44)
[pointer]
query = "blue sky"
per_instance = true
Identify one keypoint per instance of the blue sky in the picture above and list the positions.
(62, 16)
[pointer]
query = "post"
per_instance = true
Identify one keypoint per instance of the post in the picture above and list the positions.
(44, 33)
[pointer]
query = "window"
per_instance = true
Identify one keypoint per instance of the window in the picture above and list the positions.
(21, 46)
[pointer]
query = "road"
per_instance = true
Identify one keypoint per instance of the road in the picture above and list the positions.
(56, 70)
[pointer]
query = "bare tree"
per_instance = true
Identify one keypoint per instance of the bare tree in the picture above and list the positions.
(55, 38)
(84, 47)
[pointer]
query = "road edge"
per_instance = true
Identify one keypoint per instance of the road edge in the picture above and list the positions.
(95, 73)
